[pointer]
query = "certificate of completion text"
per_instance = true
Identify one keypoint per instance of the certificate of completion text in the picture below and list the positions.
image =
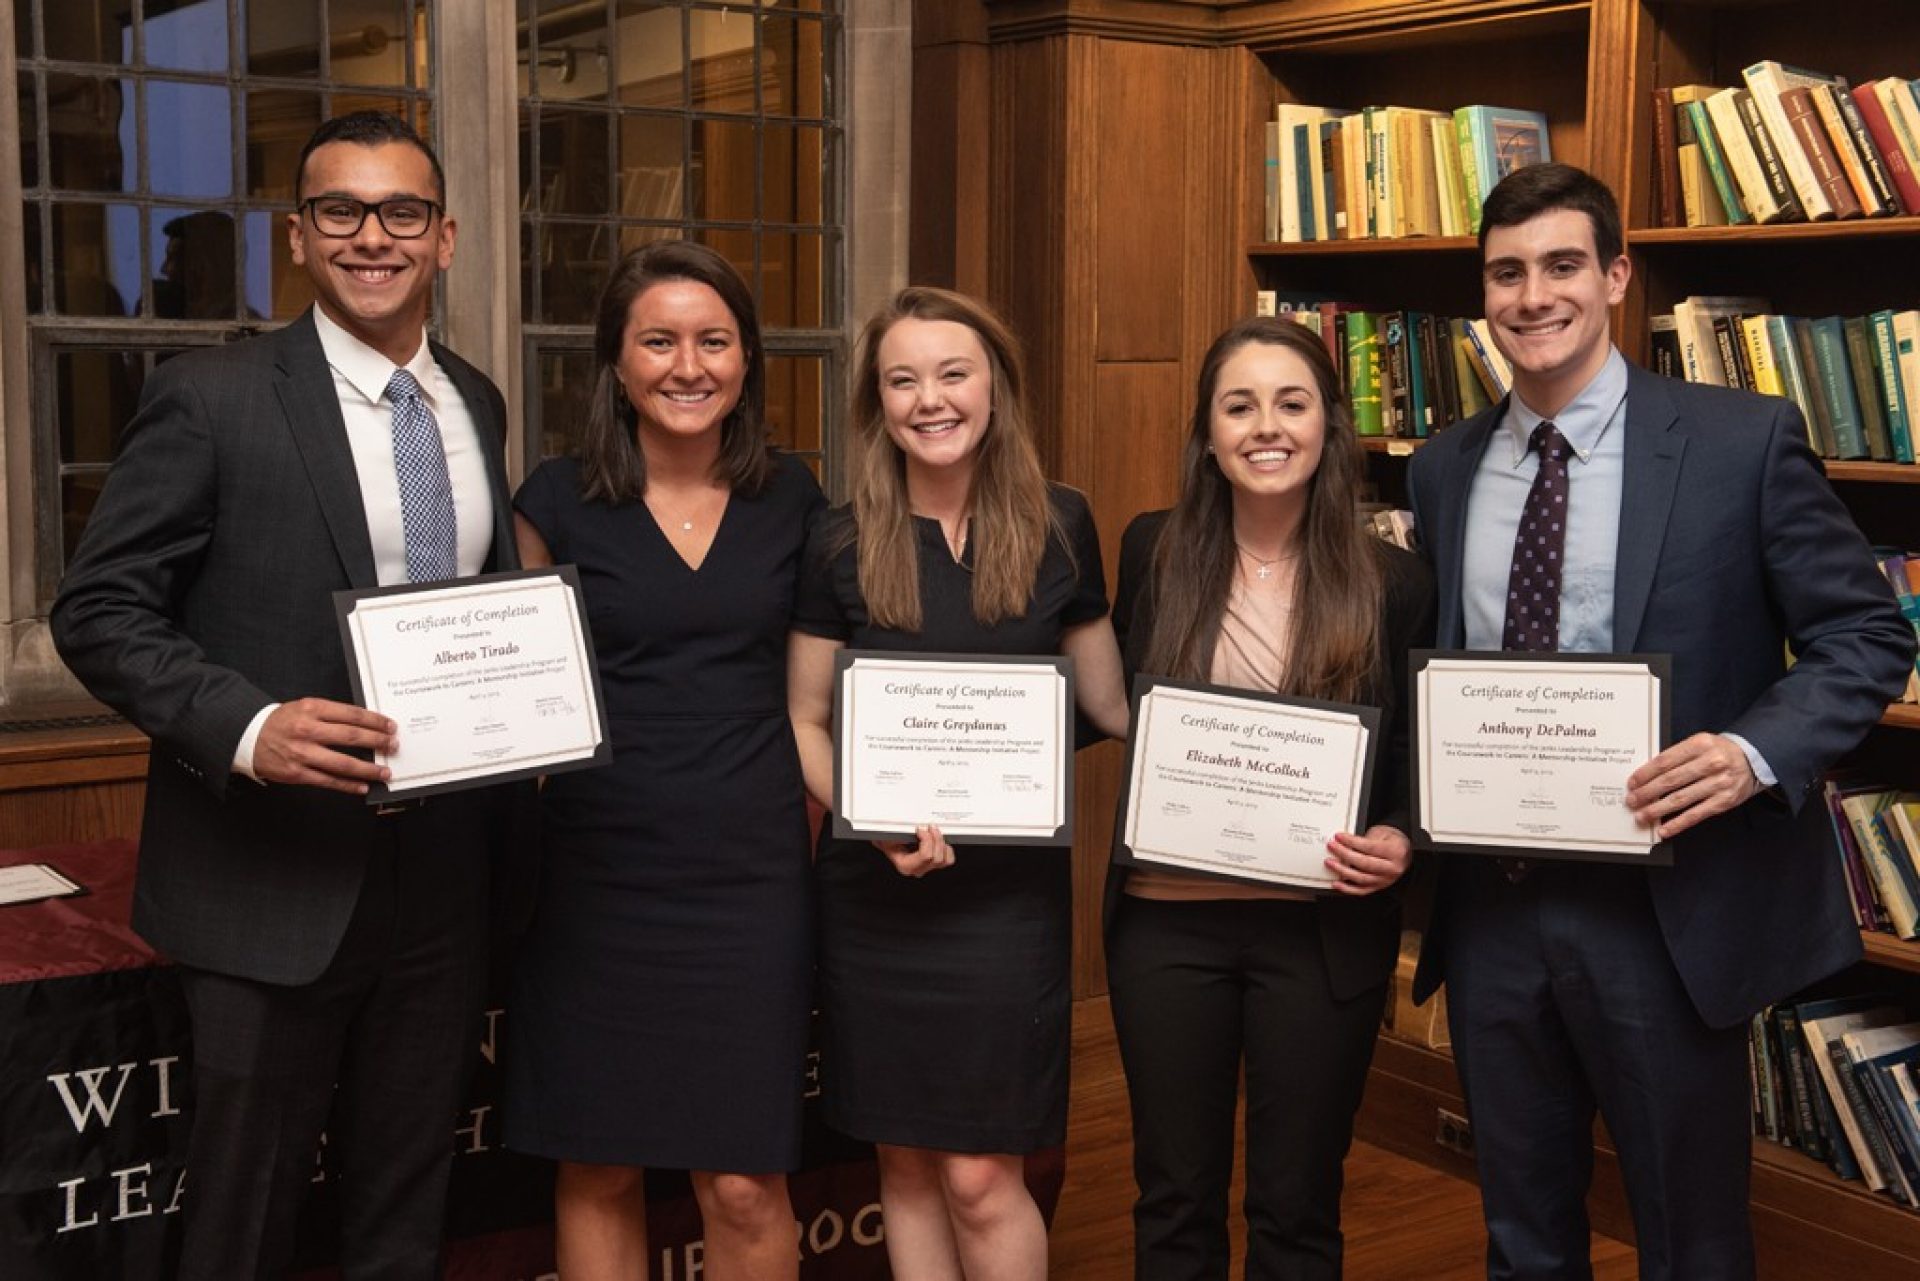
(1533, 753)
(487, 678)
(981, 749)
(1245, 786)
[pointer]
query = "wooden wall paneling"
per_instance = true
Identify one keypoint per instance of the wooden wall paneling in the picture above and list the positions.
(72, 814)
(1620, 69)
(948, 182)
(1142, 209)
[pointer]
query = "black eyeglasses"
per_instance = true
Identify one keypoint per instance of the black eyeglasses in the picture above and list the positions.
(404, 217)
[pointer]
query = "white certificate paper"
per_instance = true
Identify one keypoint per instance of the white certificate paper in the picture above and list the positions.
(1531, 753)
(1240, 785)
(489, 679)
(31, 882)
(980, 748)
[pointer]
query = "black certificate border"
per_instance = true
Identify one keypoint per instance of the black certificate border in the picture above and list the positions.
(1123, 854)
(1659, 666)
(344, 604)
(843, 661)
(76, 889)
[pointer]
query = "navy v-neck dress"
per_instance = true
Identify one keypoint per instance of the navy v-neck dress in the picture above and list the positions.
(660, 1001)
(944, 998)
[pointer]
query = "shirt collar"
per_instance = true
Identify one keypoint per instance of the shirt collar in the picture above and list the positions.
(1585, 418)
(366, 370)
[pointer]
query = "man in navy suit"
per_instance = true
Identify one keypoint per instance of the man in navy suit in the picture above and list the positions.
(318, 940)
(1698, 524)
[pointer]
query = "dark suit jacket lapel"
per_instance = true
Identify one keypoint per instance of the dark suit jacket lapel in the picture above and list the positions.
(1652, 474)
(1450, 522)
(493, 442)
(312, 407)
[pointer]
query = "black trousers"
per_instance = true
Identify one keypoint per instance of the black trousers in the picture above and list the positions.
(1198, 989)
(395, 1022)
(1562, 997)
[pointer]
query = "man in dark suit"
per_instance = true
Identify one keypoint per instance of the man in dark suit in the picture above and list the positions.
(1686, 520)
(319, 940)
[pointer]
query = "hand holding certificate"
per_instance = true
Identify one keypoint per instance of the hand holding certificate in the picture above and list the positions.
(980, 748)
(488, 679)
(1518, 753)
(1241, 785)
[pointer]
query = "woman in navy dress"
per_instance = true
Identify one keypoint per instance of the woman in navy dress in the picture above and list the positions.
(660, 1001)
(944, 971)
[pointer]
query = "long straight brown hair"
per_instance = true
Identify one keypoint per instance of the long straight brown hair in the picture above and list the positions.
(1012, 517)
(1336, 595)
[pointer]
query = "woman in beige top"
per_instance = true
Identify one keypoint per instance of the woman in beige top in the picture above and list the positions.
(1261, 578)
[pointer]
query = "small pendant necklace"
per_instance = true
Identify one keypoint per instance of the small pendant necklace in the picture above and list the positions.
(1263, 569)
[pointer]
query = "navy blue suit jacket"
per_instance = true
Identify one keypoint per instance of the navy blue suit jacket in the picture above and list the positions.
(1732, 547)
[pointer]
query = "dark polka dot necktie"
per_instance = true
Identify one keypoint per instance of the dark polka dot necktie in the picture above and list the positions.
(1533, 584)
(427, 519)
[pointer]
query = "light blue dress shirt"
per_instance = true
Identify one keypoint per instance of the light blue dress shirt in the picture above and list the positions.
(1594, 424)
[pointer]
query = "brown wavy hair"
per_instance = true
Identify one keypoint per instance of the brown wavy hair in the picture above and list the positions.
(1337, 585)
(1012, 517)
(612, 468)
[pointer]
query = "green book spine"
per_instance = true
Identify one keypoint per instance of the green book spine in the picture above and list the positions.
(1363, 373)
(1866, 389)
(1717, 164)
(1820, 419)
(1886, 369)
(1469, 166)
(1836, 385)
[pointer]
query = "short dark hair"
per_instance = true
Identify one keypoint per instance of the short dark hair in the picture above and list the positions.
(368, 129)
(612, 466)
(1527, 193)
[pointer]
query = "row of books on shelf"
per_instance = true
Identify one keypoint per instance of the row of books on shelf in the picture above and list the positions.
(1878, 831)
(1407, 373)
(1837, 1079)
(1386, 172)
(1786, 145)
(1389, 524)
(1903, 575)
(1856, 379)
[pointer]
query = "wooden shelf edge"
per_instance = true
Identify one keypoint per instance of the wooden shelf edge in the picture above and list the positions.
(1366, 247)
(1902, 716)
(1875, 473)
(1891, 953)
(1851, 229)
(1779, 1160)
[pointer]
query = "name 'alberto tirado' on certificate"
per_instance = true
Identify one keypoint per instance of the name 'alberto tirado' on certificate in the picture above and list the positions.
(487, 678)
(981, 748)
(1240, 785)
(1531, 752)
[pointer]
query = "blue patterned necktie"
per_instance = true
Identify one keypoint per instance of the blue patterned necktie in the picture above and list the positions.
(1533, 584)
(426, 493)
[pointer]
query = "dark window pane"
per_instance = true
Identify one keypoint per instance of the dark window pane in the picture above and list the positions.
(720, 42)
(79, 491)
(96, 391)
(88, 30)
(29, 133)
(279, 122)
(793, 73)
(736, 247)
(723, 171)
(90, 138)
(796, 401)
(35, 257)
(574, 52)
(367, 42)
(96, 260)
(573, 162)
(190, 36)
(23, 28)
(792, 280)
(283, 37)
(347, 100)
(632, 238)
(652, 55)
(189, 140)
(196, 264)
(573, 263)
(795, 173)
(264, 240)
(291, 287)
(652, 167)
(566, 384)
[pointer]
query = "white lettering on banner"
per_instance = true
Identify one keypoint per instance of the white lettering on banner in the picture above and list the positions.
(490, 1044)
(94, 1103)
(694, 1254)
(124, 1194)
(868, 1228)
(474, 1133)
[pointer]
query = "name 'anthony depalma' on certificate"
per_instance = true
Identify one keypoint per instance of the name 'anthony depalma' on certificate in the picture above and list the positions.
(488, 679)
(981, 748)
(1532, 753)
(1245, 786)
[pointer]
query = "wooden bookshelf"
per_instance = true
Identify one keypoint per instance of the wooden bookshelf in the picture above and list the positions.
(1891, 953)
(1407, 245)
(1902, 716)
(1853, 229)
(1875, 473)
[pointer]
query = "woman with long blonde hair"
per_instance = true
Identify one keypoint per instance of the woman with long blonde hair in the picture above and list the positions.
(944, 971)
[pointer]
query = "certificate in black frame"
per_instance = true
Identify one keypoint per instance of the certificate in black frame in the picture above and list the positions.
(1125, 855)
(843, 661)
(1659, 667)
(344, 603)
